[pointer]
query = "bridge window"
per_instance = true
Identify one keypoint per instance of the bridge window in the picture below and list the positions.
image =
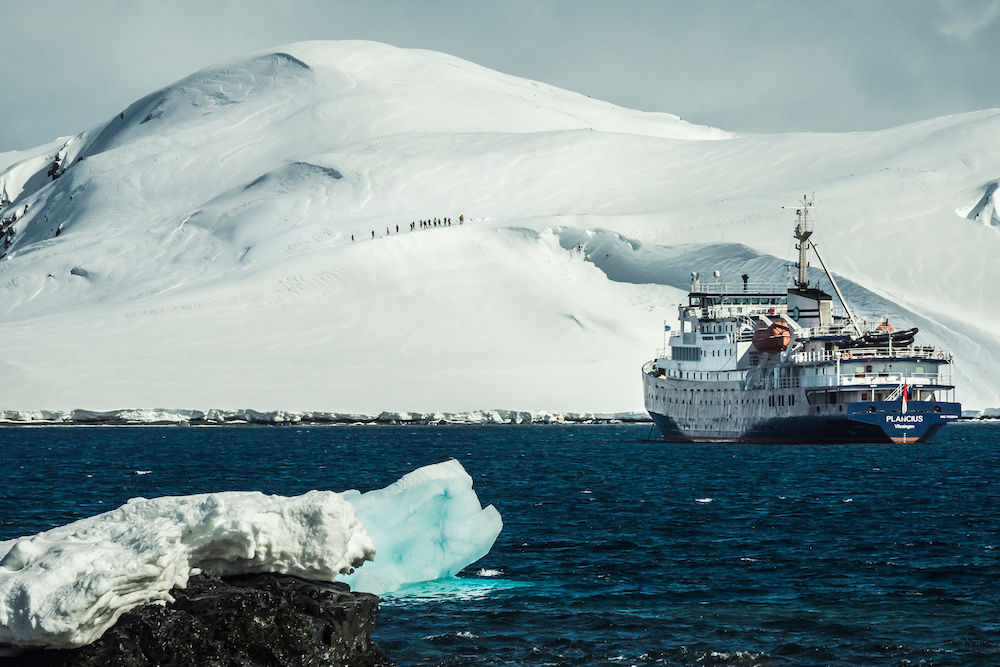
(685, 353)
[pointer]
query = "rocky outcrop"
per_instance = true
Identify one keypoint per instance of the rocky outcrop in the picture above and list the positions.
(248, 620)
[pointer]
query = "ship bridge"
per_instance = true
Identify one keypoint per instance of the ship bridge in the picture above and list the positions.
(717, 323)
(719, 301)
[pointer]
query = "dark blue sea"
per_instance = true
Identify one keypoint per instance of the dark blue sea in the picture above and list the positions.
(616, 549)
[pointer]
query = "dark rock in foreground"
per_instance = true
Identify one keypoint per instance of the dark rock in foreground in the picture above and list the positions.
(249, 620)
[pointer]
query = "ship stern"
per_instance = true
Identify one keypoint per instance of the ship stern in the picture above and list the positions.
(905, 422)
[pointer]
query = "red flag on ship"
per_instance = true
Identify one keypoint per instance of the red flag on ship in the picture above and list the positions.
(905, 391)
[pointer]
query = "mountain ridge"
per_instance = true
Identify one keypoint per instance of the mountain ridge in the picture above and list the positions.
(208, 241)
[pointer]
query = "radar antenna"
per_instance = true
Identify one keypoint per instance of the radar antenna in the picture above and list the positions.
(803, 230)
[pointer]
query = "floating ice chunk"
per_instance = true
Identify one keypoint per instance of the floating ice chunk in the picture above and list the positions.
(703, 501)
(428, 525)
(66, 586)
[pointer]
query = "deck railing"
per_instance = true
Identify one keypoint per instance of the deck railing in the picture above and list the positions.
(738, 288)
(852, 354)
(869, 379)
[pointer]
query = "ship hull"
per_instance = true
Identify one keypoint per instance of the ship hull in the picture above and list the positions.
(727, 412)
(801, 430)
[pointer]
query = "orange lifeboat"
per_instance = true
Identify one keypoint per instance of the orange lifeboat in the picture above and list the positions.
(774, 338)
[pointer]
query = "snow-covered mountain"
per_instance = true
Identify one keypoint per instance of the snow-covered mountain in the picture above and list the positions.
(212, 245)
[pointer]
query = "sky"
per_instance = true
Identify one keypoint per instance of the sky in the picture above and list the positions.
(742, 65)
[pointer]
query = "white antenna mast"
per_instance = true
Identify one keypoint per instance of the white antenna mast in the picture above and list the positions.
(803, 232)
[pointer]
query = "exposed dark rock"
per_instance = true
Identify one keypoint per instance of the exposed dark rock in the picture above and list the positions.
(245, 621)
(55, 170)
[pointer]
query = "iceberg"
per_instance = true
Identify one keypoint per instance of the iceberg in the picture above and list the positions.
(66, 586)
(426, 526)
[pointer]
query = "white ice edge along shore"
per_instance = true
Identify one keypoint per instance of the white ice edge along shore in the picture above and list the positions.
(214, 417)
(66, 586)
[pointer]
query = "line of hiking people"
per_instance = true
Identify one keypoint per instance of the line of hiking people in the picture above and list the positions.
(423, 224)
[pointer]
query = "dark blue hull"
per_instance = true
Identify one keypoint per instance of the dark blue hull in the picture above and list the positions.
(862, 423)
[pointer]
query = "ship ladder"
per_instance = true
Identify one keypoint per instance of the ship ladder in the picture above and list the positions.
(896, 393)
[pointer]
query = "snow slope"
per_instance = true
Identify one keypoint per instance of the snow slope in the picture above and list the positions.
(196, 250)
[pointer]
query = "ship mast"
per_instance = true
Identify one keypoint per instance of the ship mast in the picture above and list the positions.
(803, 230)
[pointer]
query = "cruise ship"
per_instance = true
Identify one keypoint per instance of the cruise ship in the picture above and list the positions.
(755, 362)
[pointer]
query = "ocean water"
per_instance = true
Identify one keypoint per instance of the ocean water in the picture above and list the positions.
(616, 549)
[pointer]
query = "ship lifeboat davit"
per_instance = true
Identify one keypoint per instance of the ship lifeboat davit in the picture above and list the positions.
(774, 338)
